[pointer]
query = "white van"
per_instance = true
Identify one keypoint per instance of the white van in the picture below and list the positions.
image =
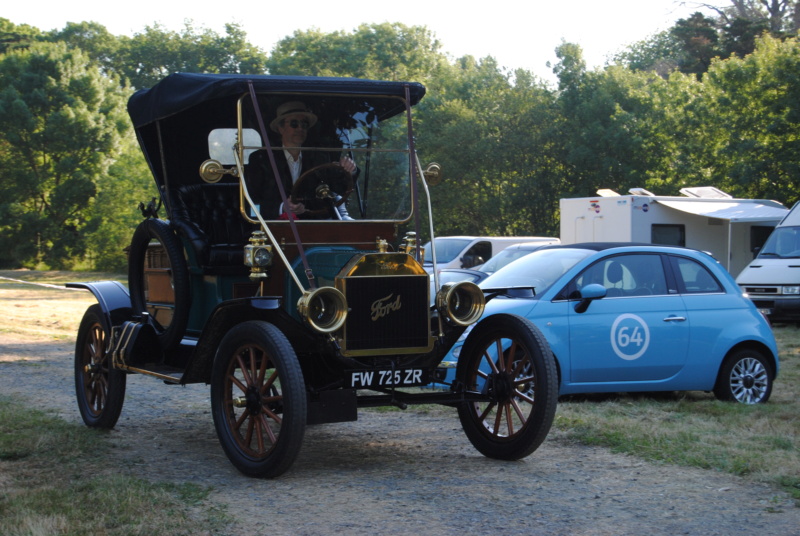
(472, 251)
(772, 279)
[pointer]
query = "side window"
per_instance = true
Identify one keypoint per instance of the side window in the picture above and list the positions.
(694, 277)
(477, 254)
(625, 275)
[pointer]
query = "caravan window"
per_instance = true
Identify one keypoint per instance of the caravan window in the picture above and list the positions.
(668, 234)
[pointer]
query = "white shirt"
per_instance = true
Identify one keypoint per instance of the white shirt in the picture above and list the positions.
(294, 165)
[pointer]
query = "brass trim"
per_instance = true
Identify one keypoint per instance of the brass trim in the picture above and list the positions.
(378, 352)
(449, 296)
(322, 299)
(165, 377)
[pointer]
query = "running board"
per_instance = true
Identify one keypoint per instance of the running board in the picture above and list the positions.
(174, 377)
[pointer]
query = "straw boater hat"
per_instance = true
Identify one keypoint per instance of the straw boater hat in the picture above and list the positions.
(293, 108)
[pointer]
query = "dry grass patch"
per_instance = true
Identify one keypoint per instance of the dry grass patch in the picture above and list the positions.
(41, 308)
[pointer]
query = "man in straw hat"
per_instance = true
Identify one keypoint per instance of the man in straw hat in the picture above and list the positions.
(292, 122)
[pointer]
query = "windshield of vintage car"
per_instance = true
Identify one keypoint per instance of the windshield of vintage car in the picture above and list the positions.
(784, 242)
(540, 269)
(342, 127)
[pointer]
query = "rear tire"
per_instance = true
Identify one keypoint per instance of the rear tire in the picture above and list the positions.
(745, 376)
(521, 386)
(258, 399)
(99, 387)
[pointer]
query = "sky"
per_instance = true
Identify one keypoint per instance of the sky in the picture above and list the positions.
(518, 34)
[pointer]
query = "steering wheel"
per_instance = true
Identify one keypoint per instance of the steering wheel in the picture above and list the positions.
(323, 188)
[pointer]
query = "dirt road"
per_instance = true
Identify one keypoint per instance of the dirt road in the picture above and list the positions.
(402, 472)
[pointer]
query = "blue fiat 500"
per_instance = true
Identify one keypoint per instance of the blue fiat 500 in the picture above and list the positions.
(626, 318)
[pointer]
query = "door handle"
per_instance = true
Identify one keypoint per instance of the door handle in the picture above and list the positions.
(675, 319)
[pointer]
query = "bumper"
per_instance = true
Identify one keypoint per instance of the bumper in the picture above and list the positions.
(779, 309)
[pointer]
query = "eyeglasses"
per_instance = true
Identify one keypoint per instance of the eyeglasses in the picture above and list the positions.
(297, 123)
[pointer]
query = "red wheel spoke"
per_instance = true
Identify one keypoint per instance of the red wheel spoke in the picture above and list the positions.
(259, 432)
(268, 429)
(272, 415)
(524, 397)
(523, 419)
(262, 370)
(269, 383)
(253, 375)
(486, 412)
(490, 361)
(251, 424)
(521, 364)
(234, 380)
(509, 419)
(245, 372)
(498, 418)
(240, 420)
(501, 365)
(509, 356)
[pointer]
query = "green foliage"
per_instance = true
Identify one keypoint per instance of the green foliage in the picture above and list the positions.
(380, 51)
(61, 123)
(14, 37)
(754, 104)
(149, 56)
(672, 113)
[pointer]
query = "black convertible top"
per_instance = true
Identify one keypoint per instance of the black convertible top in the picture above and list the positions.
(181, 91)
(173, 118)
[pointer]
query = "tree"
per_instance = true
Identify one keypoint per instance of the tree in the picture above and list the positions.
(754, 105)
(699, 41)
(149, 56)
(14, 36)
(91, 38)
(660, 53)
(779, 15)
(61, 122)
(382, 51)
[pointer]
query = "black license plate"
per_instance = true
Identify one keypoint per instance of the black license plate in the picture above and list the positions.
(364, 379)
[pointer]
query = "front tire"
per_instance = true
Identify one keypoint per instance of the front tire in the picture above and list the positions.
(745, 376)
(99, 387)
(258, 399)
(507, 359)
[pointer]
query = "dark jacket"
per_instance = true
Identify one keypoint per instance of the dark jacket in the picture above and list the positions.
(261, 180)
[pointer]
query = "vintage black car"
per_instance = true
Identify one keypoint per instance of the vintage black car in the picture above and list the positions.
(299, 318)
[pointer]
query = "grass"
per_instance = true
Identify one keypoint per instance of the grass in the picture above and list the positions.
(694, 429)
(58, 478)
(45, 310)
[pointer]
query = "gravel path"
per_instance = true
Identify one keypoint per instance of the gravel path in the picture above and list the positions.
(406, 472)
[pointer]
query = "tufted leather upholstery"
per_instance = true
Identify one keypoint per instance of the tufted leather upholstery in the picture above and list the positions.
(208, 216)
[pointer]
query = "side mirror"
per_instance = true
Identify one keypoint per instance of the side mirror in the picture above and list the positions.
(589, 293)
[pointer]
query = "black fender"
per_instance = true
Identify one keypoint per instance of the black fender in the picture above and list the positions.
(113, 298)
(233, 312)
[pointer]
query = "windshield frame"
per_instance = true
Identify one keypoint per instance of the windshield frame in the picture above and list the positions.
(247, 118)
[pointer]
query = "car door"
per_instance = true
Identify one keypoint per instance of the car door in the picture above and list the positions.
(638, 332)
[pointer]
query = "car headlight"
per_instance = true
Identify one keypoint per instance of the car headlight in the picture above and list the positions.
(794, 289)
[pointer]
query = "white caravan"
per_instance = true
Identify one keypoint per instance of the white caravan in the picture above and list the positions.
(702, 218)
(772, 280)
